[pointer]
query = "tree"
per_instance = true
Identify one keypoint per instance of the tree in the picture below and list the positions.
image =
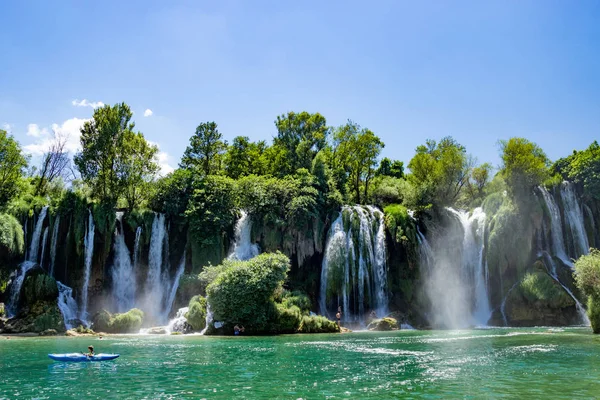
(582, 167)
(440, 171)
(244, 157)
(387, 167)
(587, 278)
(12, 166)
(524, 165)
(137, 168)
(356, 150)
(301, 136)
(56, 164)
(104, 145)
(205, 150)
(480, 177)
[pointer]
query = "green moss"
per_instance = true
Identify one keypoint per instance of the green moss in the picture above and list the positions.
(129, 322)
(196, 316)
(12, 241)
(383, 324)
(39, 287)
(492, 203)
(539, 287)
(317, 324)
(101, 321)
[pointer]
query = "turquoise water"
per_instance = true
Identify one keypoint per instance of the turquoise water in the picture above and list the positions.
(493, 363)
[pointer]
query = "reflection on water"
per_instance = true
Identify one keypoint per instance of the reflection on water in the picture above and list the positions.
(435, 364)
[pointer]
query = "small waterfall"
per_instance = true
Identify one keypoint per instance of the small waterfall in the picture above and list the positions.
(136, 247)
(209, 317)
(549, 261)
(25, 237)
(17, 283)
(37, 235)
(425, 251)
(44, 240)
(354, 269)
(53, 243)
(67, 304)
(178, 323)
(88, 243)
(123, 275)
(243, 249)
(556, 232)
(503, 305)
(574, 219)
(155, 289)
(174, 287)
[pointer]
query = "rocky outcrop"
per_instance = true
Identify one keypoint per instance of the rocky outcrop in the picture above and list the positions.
(383, 324)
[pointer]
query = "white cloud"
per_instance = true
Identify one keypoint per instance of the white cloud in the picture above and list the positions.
(35, 131)
(148, 112)
(162, 158)
(85, 103)
(69, 129)
(7, 127)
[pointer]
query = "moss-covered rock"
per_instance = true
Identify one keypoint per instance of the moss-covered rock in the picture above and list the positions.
(38, 286)
(38, 317)
(196, 315)
(383, 324)
(317, 324)
(129, 322)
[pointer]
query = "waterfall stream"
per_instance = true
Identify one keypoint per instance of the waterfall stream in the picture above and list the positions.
(574, 219)
(556, 232)
(174, 287)
(123, 275)
(44, 241)
(88, 243)
(53, 243)
(67, 304)
(136, 247)
(15, 293)
(242, 248)
(157, 279)
(36, 236)
(178, 323)
(354, 269)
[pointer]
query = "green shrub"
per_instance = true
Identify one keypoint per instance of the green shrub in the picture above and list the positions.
(11, 236)
(317, 324)
(101, 321)
(243, 293)
(593, 313)
(196, 316)
(298, 299)
(288, 319)
(587, 278)
(539, 287)
(383, 324)
(129, 322)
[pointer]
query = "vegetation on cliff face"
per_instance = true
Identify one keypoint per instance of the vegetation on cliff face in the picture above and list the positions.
(587, 277)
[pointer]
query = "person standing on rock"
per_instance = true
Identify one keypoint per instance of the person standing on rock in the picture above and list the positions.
(339, 316)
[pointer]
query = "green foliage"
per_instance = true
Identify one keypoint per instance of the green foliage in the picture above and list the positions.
(12, 242)
(386, 190)
(439, 171)
(12, 166)
(172, 193)
(296, 299)
(244, 157)
(300, 136)
(399, 224)
(288, 319)
(137, 169)
(205, 151)
(211, 209)
(492, 203)
(317, 324)
(582, 167)
(538, 287)
(129, 322)
(587, 274)
(394, 169)
(593, 312)
(355, 152)
(196, 316)
(243, 293)
(383, 324)
(39, 287)
(524, 166)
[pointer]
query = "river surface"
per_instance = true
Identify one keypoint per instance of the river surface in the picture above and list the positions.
(490, 363)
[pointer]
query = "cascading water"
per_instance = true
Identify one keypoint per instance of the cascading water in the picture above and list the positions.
(178, 323)
(88, 243)
(503, 305)
(174, 287)
(556, 232)
(136, 247)
(17, 283)
(209, 317)
(155, 290)
(243, 248)
(123, 275)
(53, 243)
(37, 234)
(574, 219)
(67, 305)
(44, 240)
(456, 272)
(354, 269)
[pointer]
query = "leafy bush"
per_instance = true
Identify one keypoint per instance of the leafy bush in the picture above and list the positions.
(593, 312)
(196, 316)
(129, 322)
(298, 299)
(288, 319)
(587, 278)
(399, 224)
(539, 287)
(243, 293)
(11, 236)
(317, 324)
(383, 324)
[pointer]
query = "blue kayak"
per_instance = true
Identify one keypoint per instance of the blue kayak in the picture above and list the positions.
(78, 357)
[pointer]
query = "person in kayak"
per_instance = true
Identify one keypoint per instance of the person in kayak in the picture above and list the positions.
(91, 353)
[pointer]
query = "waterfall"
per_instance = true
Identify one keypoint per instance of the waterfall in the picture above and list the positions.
(354, 268)
(123, 275)
(44, 240)
(53, 243)
(67, 304)
(178, 323)
(174, 287)
(37, 234)
(209, 317)
(243, 249)
(25, 237)
(155, 289)
(503, 305)
(17, 283)
(136, 247)
(556, 232)
(456, 278)
(574, 219)
(88, 242)
(549, 261)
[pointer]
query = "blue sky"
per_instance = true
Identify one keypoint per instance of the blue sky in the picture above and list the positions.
(478, 71)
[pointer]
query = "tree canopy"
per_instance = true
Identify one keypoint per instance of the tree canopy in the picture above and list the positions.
(12, 167)
(524, 165)
(205, 151)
